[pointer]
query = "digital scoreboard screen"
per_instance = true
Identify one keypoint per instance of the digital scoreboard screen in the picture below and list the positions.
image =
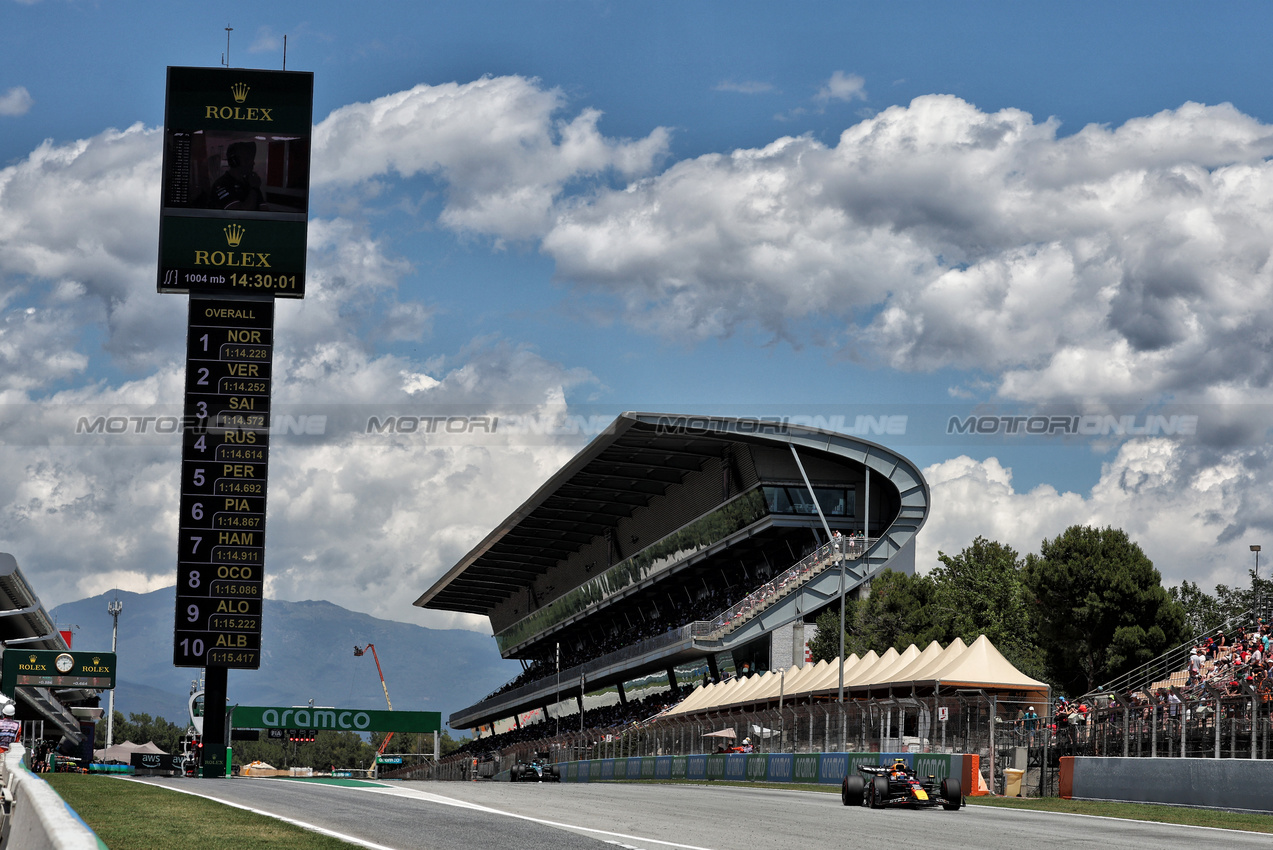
(224, 466)
(235, 196)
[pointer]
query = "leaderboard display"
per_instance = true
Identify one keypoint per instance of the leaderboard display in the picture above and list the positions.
(224, 466)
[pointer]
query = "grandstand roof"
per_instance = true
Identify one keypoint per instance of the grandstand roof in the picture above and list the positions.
(637, 459)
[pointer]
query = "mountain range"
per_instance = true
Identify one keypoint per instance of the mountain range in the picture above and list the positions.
(307, 651)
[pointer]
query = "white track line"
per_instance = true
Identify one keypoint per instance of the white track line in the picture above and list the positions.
(448, 801)
(370, 845)
(429, 798)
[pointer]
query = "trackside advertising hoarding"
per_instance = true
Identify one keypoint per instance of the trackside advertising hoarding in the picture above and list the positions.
(335, 719)
(51, 668)
(811, 768)
(236, 172)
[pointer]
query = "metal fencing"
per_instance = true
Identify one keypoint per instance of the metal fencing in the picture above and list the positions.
(1000, 730)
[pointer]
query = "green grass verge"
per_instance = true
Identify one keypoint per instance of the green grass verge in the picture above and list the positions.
(1134, 811)
(134, 816)
(1131, 811)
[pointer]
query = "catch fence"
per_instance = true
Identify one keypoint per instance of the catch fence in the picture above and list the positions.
(997, 729)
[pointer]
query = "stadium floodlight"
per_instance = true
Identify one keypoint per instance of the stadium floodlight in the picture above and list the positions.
(113, 608)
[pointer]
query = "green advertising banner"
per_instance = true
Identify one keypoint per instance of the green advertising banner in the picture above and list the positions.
(936, 765)
(806, 768)
(51, 668)
(335, 719)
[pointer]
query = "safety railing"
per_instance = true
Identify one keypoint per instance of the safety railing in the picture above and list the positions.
(1172, 661)
(827, 555)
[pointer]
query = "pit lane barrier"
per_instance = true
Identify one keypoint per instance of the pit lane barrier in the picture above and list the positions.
(34, 816)
(1239, 785)
(803, 768)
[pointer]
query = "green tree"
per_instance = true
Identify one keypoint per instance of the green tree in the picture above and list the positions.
(140, 728)
(328, 749)
(416, 743)
(981, 591)
(1203, 612)
(1235, 602)
(825, 644)
(898, 610)
(1100, 607)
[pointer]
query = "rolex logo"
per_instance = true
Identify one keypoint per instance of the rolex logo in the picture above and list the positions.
(32, 659)
(233, 235)
(96, 660)
(240, 92)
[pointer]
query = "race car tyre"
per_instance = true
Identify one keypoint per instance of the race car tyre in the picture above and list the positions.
(852, 790)
(879, 792)
(951, 794)
(554, 773)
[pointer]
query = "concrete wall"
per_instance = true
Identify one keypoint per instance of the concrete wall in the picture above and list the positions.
(38, 818)
(1232, 784)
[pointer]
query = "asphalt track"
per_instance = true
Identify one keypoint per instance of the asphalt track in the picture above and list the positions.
(493, 816)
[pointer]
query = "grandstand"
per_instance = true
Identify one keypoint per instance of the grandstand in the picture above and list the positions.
(675, 550)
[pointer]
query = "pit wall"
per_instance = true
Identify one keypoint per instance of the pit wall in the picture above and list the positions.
(1230, 784)
(805, 768)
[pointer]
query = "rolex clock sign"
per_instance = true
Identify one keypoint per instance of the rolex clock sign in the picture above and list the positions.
(235, 195)
(51, 668)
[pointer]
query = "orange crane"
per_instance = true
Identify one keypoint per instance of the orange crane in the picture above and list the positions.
(361, 650)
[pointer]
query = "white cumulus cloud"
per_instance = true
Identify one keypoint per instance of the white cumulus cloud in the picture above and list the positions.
(1192, 510)
(505, 156)
(1131, 259)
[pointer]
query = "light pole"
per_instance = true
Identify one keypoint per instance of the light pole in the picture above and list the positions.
(113, 608)
(839, 546)
(1255, 547)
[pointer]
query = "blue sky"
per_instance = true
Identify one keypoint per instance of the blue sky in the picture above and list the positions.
(571, 209)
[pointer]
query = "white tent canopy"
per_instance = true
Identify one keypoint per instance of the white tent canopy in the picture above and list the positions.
(123, 751)
(980, 665)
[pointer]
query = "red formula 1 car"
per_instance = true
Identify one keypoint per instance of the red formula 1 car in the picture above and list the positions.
(895, 785)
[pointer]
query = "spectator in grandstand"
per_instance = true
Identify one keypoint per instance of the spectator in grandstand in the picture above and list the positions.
(1195, 665)
(1061, 716)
